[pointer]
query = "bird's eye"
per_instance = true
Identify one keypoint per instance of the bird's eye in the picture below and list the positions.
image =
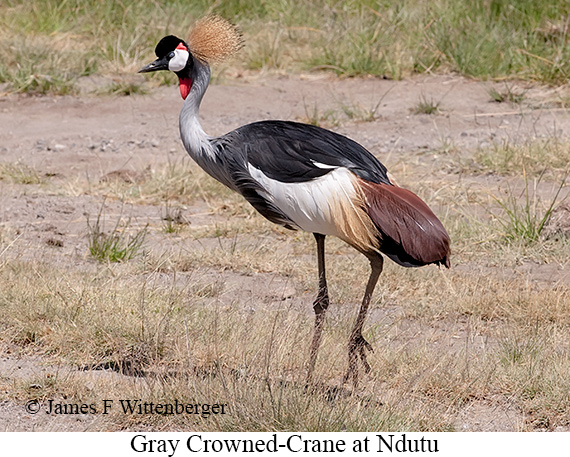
(170, 55)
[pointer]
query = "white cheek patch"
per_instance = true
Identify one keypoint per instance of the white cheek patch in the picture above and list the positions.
(179, 61)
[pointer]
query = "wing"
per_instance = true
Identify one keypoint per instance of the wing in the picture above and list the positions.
(411, 233)
(292, 152)
(301, 176)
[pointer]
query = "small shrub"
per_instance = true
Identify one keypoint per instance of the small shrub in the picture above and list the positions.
(115, 246)
(425, 106)
(525, 221)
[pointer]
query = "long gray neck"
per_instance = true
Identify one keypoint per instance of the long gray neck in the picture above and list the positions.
(195, 140)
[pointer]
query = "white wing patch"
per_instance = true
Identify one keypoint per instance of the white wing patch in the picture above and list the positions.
(329, 205)
(324, 166)
(309, 204)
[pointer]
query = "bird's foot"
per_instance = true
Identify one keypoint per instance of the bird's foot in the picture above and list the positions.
(362, 345)
(357, 346)
(320, 305)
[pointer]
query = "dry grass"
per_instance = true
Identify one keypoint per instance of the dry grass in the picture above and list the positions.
(442, 340)
(19, 173)
(426, 106)
(196, 326)
(548, 156)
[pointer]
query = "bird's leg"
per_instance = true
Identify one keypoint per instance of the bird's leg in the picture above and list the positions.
(357, 345)
(320, 306)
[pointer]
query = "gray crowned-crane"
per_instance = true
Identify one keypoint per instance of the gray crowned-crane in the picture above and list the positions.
(303, 178)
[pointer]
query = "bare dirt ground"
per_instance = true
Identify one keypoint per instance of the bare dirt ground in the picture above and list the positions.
(86, 139)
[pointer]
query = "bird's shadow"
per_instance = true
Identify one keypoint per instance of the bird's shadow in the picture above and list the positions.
(330, 393)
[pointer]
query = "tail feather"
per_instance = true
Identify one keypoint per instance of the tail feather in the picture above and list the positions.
(411, 234)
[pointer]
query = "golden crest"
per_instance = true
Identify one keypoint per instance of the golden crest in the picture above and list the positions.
(213, 39)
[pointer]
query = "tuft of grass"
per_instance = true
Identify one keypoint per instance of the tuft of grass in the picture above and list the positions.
(446, 145)
(314, 116)
(426, 106)
(19, 173)
(169, 225)
(173, 220)
(496, 96)
(359, 113)
(126, 88)
(507, 95)
(524, 222)
(115, 246)
(196, 337)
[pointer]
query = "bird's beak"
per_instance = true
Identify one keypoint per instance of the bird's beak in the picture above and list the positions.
(158, 64)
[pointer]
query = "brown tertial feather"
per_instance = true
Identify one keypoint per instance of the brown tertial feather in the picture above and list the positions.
(213, 39)
(411, 234)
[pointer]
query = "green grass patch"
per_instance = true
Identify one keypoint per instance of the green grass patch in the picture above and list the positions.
(524, 221)
(47, 45)
(125, 88)
(508, 94)
(426, 106)
(114, 246)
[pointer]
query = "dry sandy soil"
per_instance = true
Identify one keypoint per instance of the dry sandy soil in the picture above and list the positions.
(86, 138)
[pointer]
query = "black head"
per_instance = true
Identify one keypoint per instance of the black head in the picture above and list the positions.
(167, 44)
(173, 54)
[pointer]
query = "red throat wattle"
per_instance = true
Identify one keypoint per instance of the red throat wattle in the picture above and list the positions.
(185, 86)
